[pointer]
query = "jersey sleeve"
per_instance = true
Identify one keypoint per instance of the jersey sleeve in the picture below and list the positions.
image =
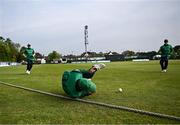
(87, 87)
(86, 74)
(33, 51)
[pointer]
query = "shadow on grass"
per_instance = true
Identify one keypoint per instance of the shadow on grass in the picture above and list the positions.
(13, 73)
(22, 74)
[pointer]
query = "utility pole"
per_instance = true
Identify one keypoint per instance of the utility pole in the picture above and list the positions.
(86, 41)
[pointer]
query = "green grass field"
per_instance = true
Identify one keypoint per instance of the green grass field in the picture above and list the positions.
(144, 87)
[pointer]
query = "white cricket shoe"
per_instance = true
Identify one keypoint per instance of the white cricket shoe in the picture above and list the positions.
(164, 70)
(28, 72)
(99, 66)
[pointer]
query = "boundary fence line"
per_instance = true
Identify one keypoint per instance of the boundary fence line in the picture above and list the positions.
(3, 64)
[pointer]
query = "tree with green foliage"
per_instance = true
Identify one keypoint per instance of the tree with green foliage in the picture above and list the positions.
(13, 49)
(9, 51)
(53, 56)
(146, 55)
(128, 53)
(4, 50)
(177, 51)
(20, 56)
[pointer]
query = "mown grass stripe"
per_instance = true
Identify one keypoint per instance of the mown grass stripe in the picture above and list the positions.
(96, 103)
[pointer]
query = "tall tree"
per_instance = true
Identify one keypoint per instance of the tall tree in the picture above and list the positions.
(9, 51)
(1, 38)
(12, 49)
(128, 53)
(54, 55)
(3, 52)
(177, 51)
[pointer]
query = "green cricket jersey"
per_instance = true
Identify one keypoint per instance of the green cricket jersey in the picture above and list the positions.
(29, 54)
(69, 81)
(166, 50)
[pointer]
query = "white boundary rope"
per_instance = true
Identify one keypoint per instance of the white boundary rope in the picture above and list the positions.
(96, 103)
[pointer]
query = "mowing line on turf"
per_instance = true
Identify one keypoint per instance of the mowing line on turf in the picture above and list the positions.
(96, 103)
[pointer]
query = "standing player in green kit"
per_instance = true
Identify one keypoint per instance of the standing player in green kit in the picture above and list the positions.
(29, 54)
(165, 51)
(77, 83)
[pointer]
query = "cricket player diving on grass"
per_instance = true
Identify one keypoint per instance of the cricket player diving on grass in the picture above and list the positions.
(77, 83)
(165, 51)
(29, 54)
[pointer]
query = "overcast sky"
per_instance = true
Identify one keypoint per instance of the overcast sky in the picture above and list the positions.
(113, 25)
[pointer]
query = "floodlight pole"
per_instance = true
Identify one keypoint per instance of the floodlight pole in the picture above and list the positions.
(86, 41)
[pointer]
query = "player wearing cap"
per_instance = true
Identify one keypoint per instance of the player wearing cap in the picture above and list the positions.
(29, 54)
(165, 51)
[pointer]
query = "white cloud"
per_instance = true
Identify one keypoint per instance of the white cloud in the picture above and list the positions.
(113, 25)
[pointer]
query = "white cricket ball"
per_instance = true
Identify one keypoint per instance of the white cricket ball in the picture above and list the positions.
(120, 89)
